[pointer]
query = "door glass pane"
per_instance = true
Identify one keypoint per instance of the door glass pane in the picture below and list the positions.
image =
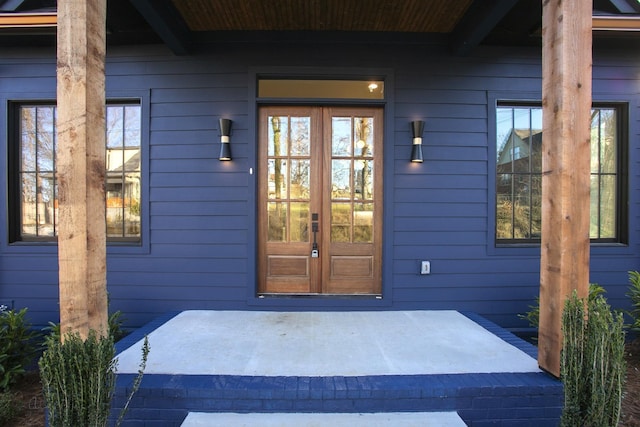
(300, 179)
(341, 222)
(299, 222)
(340, 179)
(363, 179)
(363, 223)
(276, 222)
(341, 140)
(278, 136)
(277, 185)
(288, 178)
(300, 140)
(363, 137)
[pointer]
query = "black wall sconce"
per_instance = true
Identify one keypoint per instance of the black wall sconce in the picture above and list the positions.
(416, 150)
(225, 147)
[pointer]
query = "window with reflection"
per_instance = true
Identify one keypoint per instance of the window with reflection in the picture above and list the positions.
(288, 159)
(352, 179)
(35, 214)
(519, 173)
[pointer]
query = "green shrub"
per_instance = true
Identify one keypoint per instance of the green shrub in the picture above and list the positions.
(115, 327)
(16, 346)
(592, 366)
(78, 378)
(8, 408)
(533, 315)
(634, 294)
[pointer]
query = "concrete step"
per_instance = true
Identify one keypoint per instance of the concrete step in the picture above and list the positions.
(387, 419)
(187, 371)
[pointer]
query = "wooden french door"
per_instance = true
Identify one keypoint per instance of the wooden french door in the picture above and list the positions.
(320, 200)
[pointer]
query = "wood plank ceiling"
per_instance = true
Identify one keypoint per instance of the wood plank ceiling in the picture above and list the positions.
(414, 16)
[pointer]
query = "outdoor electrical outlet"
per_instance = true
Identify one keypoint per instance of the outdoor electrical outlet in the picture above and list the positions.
(425, 267)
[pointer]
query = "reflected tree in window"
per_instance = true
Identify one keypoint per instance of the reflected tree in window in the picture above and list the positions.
(123, 171)
(288, 169)
(519, 173)
(37, 171)
(352, 180)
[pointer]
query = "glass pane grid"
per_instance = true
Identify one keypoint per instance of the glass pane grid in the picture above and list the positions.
(288, 179)
(37, 174)
(518, 174)
(38, 147)
(352, 180)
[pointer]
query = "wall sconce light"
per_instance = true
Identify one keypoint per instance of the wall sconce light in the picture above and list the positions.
(225, 147)
(416, 150)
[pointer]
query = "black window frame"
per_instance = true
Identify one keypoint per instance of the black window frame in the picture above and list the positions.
(622, 177)
(14, 205)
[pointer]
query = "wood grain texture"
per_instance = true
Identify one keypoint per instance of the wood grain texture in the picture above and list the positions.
(566, 103)
(81, 166)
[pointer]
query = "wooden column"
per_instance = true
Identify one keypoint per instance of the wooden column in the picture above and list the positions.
(81, 165)
(566, 103)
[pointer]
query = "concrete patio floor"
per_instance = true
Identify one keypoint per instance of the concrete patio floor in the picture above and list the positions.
(324, 344)
(307, 369)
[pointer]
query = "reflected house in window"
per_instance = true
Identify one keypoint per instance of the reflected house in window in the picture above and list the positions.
(521, 153)
(519, 146)
(518, 185)
(123, 191)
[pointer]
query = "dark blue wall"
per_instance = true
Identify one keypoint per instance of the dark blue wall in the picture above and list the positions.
(199, 240)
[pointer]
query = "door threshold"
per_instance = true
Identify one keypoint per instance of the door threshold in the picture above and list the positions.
(319, 296)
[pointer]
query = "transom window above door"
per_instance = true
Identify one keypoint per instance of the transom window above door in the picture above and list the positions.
(320, 89)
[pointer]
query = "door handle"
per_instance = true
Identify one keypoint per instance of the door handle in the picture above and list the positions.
(314, 227)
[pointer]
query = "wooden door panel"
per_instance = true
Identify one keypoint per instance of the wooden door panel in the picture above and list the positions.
(352, 227)
(288, 266)
(352, 266)
(340, 170)
(287, 144)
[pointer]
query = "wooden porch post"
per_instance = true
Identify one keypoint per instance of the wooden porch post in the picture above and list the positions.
(81, 165)
(566, 104)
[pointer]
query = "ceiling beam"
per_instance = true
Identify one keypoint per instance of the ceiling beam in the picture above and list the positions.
(166, 21)
(28, 20)
(481, 17)
(10, 5)
(626, 6)
(616, 23)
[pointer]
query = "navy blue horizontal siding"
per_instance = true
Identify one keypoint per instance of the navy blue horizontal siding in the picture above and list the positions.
(200, 250)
